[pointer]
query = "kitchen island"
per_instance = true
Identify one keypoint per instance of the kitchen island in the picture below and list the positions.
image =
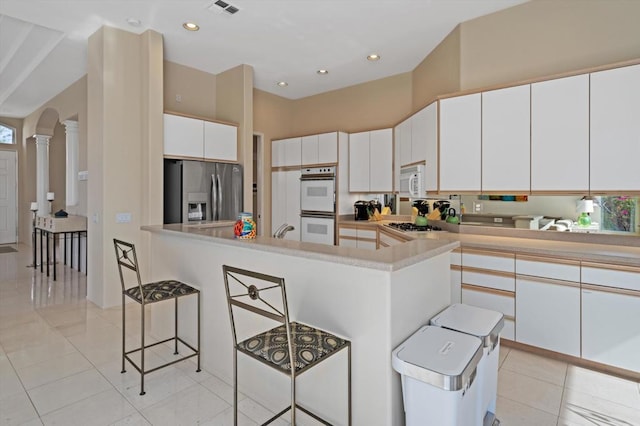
(374, 298)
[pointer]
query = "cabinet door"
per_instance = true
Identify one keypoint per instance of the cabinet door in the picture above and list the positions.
(359, 162)
(548, 314)
(183, 136)
(506, 140)
(277, 153)
(309, 149)
(278, 200)
(431, 148)
(460, 143)
(328, 148)
(403, 139)
(615, 129)
(220, 141)
(560, 135)
(381, 160)
(292, 213)
(292, 152)
(611, 328)
(456, 283)
(420, 126)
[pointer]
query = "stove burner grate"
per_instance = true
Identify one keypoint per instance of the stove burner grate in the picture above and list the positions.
(408, 226)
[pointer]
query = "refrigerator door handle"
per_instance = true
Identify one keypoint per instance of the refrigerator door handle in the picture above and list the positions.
(220, 195)
(214, 197)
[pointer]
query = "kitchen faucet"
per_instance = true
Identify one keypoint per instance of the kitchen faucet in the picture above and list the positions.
(282, 230)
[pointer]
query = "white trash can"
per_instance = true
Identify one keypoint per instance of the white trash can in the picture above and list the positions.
(486, 325)
(438, 368)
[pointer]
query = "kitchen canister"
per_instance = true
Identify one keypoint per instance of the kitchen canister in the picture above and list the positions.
(245, 227)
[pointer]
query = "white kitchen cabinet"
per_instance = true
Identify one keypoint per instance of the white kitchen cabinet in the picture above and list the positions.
(548, 314)
(431, 147)
(352, 235)
(456, 276)
(403, 141)
(419, 134)
(611, 314)
(183, 136)
(560, 135)
(286, 152)
(371, 161)
(488, 281)
(220, 141)
(285, 202)
(328, 148)
(309, 149)
(615, 130)
(460, 144)
(506, 140)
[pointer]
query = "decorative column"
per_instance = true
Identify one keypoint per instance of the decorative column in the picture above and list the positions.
(72, 162)
(42, 173)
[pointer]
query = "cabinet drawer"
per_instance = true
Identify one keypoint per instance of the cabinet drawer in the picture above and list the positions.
(388, 240)
(498, 280)
(496, 261)
(367, 234)
(456, 257)
(347, 242)
(611, 276)
(548, 268)
(489, 299)
(347, 232)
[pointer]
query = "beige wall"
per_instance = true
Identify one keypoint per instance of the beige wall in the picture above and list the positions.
(544, 37)
(125, 95)
(373, 105)
(438, 73)
(197, 90)
(234, 103)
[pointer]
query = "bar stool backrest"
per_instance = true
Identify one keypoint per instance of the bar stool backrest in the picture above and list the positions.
(257, 293)
(126, 257)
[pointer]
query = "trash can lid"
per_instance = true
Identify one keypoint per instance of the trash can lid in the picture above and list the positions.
(440, 357)
(483, 323)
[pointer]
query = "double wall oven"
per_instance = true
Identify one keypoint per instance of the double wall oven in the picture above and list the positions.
(318, 205)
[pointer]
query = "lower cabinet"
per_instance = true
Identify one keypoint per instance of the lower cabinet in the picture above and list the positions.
(456, 276)
(496, 300)
(548, 314)
(285, 202)
(360, 237)
(611, 315)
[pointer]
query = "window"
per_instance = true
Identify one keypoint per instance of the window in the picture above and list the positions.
(619, 213)
(7, 135)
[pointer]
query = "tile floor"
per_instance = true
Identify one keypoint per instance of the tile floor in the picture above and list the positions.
(60, 365)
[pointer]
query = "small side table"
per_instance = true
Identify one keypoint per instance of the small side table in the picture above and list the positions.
(50, 227)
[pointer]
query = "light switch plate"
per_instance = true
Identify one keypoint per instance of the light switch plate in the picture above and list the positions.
(84, 175)
(123, 217)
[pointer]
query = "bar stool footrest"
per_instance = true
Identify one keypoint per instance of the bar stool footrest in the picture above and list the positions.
(304, 410)
(171, 339)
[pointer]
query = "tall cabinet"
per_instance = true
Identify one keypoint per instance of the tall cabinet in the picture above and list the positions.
(285, 185)
(615, 129)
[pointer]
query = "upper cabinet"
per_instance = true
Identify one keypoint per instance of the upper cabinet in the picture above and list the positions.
(460, 143)
(370, 161)
(560, 135)
(506, 140)
(615, 130)
(402, 135)
(193, 138)
(320, 149)
(220, 141)
(286, 152)
(427, 130)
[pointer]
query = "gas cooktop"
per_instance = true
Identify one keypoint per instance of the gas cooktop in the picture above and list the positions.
(408, 226)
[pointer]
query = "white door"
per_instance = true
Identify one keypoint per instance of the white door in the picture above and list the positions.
(8, 197)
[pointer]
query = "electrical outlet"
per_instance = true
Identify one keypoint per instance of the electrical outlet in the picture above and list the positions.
(178, 98)
(497, 220)
(84, 175)
(477, 207)
(123, 217)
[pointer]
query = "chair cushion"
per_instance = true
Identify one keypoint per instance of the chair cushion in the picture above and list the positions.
(310, 345)
(160, 290)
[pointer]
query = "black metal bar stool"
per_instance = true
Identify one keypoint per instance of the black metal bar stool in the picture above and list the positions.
(291, 347)
(144, 294)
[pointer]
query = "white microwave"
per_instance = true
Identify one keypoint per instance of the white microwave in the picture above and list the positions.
(412, 181)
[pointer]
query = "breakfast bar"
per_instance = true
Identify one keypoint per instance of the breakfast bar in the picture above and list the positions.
(376, 299)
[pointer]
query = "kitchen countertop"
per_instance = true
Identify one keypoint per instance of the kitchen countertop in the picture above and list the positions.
(547, 243)
(388, 259)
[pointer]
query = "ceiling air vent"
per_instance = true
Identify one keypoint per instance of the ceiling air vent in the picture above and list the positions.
(223, 6)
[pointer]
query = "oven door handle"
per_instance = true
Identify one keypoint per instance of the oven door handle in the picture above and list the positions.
(317, 177)
(316, 214)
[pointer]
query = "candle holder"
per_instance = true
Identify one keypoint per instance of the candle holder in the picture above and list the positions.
(50, 198)
(34, 212)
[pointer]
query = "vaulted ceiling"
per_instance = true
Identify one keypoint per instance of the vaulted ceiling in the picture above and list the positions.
(43, 43)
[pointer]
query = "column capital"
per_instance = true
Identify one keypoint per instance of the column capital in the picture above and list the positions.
(70, 125)
(42, 139)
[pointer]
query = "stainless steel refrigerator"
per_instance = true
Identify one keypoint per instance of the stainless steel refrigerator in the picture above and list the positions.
(199, 190)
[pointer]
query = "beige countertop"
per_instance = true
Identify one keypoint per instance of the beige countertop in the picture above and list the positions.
(387, 259)
(624, 250)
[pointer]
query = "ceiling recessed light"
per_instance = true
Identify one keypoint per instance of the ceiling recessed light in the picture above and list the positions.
(322, 72)
(283, 84)
(134, 22)
(190, 26)
(373, 57)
